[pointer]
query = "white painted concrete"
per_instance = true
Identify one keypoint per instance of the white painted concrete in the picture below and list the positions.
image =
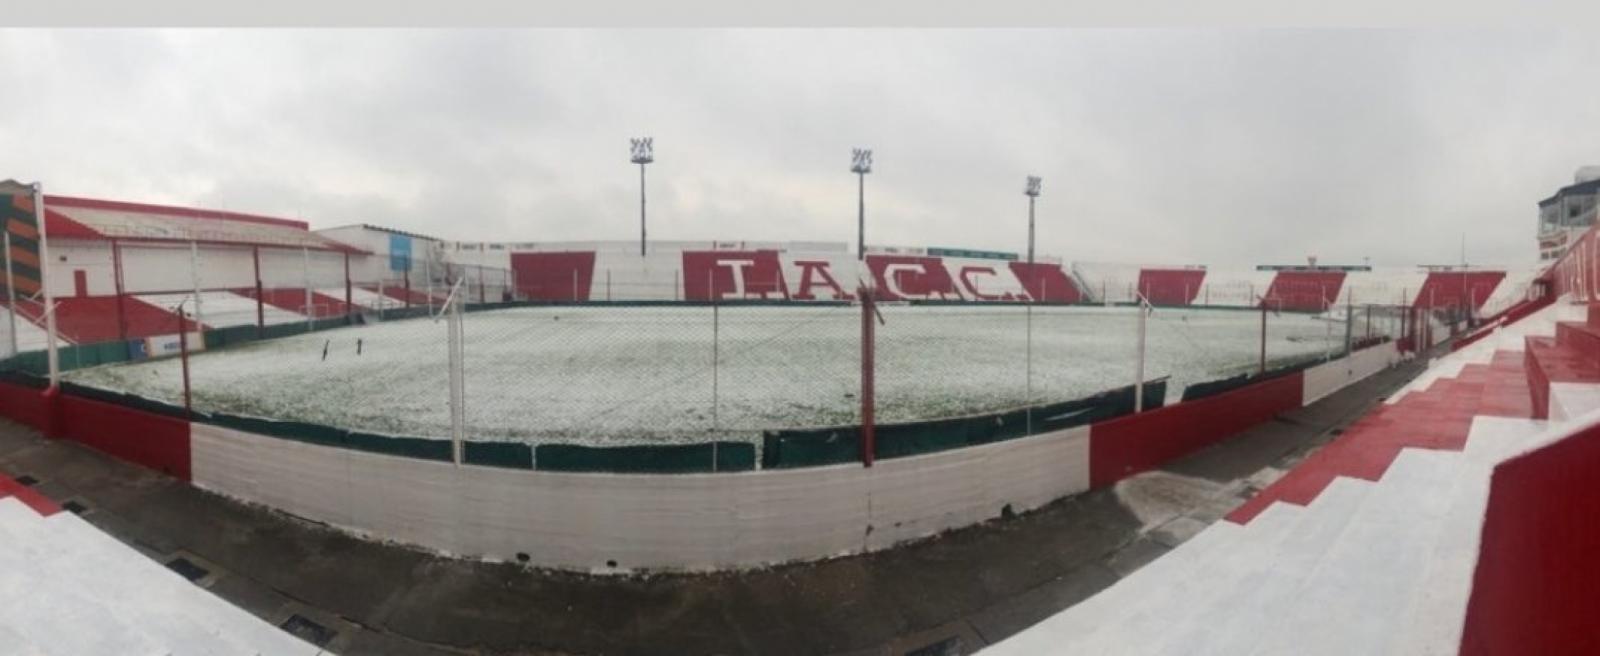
(67, 588)
(690, 521)
(30, 337)
(222, 309)
(1367, 568)
(1330, 377)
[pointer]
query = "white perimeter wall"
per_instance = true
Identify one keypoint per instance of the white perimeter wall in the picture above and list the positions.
(1330, 377)
(651, 521)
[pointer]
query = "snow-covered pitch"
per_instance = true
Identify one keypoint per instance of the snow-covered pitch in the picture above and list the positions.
(641, 375)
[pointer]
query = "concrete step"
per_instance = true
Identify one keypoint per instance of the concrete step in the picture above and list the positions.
(1156, 604)
(1229, 622)
(1365, 579)
(77, 576)
(1434, 620)
(1109, 604)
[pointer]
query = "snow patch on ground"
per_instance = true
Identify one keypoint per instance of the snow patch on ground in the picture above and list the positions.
(649, 375)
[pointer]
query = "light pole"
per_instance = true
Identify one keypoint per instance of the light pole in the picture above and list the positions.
(642, 152)
(861, 165)
(1032, 192)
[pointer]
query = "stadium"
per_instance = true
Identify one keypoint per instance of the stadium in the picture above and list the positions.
(729, 406)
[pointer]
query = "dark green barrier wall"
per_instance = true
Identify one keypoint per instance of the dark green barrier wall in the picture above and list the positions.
(666, 459)
(810, 448)
(411, 447)
(787, 449)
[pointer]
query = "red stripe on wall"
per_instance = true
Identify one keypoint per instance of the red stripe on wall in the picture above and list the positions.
(1171, 286)
(718, 275)
(1122, 447)
(1536, 589)
(155, 441)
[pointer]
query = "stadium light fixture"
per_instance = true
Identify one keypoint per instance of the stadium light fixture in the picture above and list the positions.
(642, 152)
(1032, 191)
(861, 165)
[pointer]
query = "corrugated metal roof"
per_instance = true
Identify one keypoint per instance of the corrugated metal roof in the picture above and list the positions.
(86, 218)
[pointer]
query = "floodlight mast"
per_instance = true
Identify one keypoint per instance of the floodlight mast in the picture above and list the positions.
(1032, 191)
(642, 152)
(861, 165)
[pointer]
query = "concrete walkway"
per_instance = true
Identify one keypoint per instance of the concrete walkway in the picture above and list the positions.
(948, 595)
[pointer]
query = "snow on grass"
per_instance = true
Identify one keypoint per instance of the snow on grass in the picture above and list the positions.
(629, 375)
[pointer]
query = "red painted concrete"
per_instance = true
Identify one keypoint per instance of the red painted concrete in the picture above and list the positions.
(1307, 291)
(1122, 447)
(90, 319)
(294, 300)
(1046, 282)
(558, 276)
(1535, 587)
(24, 405)
(1439, 417)
(1171, 286)
(28, 496)
(155, 441)
(1446, 289)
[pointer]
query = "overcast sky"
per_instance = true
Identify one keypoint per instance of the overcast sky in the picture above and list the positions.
(1217, 147)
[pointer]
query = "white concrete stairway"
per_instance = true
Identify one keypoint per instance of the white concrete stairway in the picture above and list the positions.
(68, 588)
(1367, 568)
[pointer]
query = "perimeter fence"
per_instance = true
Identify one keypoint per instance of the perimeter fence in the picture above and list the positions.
(457, 363)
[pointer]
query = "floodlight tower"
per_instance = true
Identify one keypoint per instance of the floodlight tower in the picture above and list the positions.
(1032, 191)
(642, 152)
(861, 165)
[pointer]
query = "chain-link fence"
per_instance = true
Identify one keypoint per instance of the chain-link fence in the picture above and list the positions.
(533, 374)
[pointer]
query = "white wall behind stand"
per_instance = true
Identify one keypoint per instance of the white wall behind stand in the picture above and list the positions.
(642, 521)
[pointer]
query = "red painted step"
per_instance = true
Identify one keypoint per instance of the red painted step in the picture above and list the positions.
(1439, 417)
(294, 300)
(1546, 362)
(90, 319)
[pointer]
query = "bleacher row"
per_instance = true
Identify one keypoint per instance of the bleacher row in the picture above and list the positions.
(1379, 542)
(96, 319)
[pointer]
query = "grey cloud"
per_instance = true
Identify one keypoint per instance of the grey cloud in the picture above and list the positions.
(1223, 147)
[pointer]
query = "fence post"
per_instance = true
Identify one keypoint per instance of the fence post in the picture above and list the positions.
(457, 375)
(349, 293)
(483, 294)
(408, 282)
(11, 290)
(869, 440)
(261, 312)
(183, 356)
(1028, 428)
(194, 279)
(674, 285)
(116, 266)
(1349, 326)
(305, 270)
(1141, 303)
(1261, 370)
(53, 354)
(716, 362)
